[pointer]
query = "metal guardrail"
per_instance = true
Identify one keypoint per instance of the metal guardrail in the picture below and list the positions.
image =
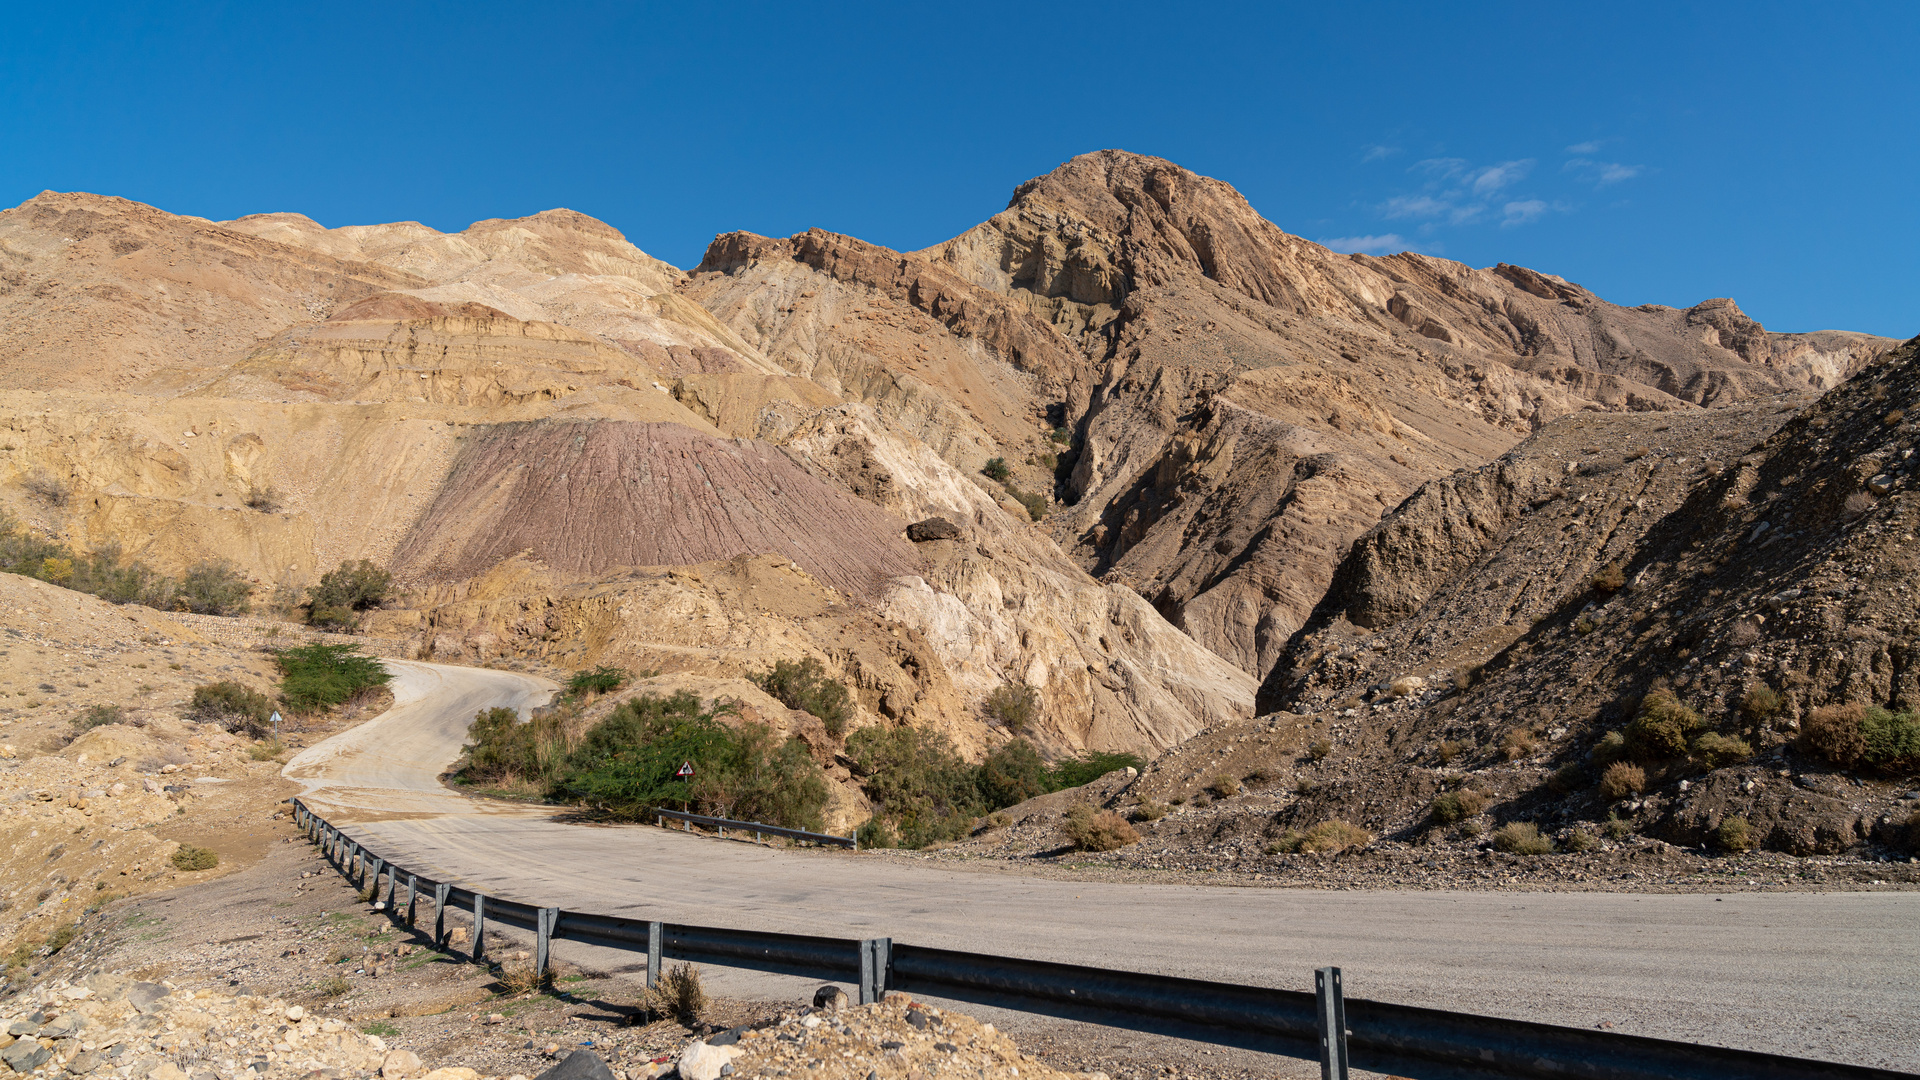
(1428, 1044)
(756, 828)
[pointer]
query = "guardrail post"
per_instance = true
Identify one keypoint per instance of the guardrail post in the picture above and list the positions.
(440, 915)
(479, 926)
(544, 920)
(1332, 1021)
(876, 957)
(378, 865)
(413, 895)
(654, 936)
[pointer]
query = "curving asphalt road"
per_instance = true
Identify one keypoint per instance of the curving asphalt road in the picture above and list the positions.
(1832, 975)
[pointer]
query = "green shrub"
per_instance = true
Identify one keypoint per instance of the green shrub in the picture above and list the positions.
(1662, 729)
(1621, 780)
(624, 766)
(1062, 436)
(876, 833)
(1521, 838)
(996, 470)
(1036, 503)
(604, 679)
(501, 749)
(1715, 750)
(1892, 738)
(1609, 578)
(1455, 806)
(1014, 706)
(1734, 834)
(215, 587)
(1011, 774)
(806, 686)
(1088, 767)
(315, 677)
(190, 857)
(99, 716)
(1579, 840)
(917, 782)
(1224, 787)
(233, 707)
(1616, 829)
(344, 592)
(1101, 831)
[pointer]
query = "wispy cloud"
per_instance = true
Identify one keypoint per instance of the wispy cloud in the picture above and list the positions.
(1602, 173)
(1378, 153)
(1384, 244)
(1522, 212)
(1592, 147)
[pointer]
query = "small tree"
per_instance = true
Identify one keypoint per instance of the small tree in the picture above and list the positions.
(345, 592)
(996, 470)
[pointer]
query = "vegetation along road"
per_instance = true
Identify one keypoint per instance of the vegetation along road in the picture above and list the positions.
(1809, 974)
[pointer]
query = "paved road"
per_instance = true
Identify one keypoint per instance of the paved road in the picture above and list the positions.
(1833, 975)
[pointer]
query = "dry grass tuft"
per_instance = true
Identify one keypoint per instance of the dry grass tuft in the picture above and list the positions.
(1735, 834)
(1334, 835)
(1522, 838)
(1621, 780)
(1457, 806)
(1097, 831)
(680, 994)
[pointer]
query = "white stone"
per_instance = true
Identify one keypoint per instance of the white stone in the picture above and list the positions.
(700, 1061)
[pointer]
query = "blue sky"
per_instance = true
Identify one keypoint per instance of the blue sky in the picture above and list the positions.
(1652, 152)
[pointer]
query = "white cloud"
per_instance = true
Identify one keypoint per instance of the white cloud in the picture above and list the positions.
(1378, 153)
(1602, 173)
(1416, 206)
(1367, 245)
(1522, 212)
(1592, 147)
(1442, 167)
(1494, 177)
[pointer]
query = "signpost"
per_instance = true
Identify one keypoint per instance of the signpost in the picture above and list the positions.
(276, 726)
(684, 773)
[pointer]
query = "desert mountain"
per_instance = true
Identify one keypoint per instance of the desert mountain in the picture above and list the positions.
(574, 452)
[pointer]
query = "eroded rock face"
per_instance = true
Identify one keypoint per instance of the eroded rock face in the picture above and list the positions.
(1403, 369)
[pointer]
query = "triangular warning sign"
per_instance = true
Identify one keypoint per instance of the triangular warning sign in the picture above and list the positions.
(686, 769)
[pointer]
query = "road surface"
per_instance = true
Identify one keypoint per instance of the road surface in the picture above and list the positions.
(1832, 975)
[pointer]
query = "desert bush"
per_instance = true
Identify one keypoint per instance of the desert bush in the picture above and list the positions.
(1892, 739)
(1088, 767)
(1062, 436)
(315, 677)
(604, 679)
(1519, 743)
(1760, 701)
(1464, 678)
(214, 587)
(1036, 503)
(1833, 732)
(1104, 830)
(233, 707)
(1014, 706)
(1621, 780)
(996, 470)
(1521, 838)
(1325, 836)
(344, 592)
(1734, 834)
(99, 716)
(1611, 748)
(1455, 806)
(1662, 728)
(264, 499)
(624, 765)
(1011, 774)
(190, 857)
(917, 782)
(1567, 779)
(266, 750)
(1148, 810)
(45, 486)
(1319, 749)
(518, 979)
(1616, 829)
(1715, 750)
(1224, 787)
(1609, 578)
(805, 685)
(876, 833)
(681, 994)
(1448, 750)
(1578, 840)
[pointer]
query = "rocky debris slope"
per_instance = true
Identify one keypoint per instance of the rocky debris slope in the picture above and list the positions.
(1467, 563)
(892, 1038)
(1398, 370)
